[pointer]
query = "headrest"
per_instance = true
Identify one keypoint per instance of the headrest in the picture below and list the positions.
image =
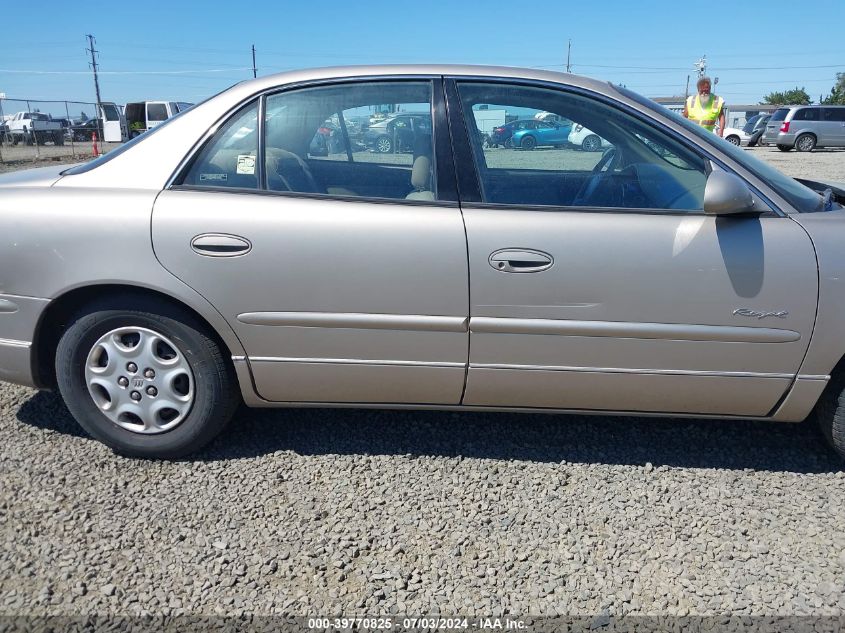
(421, 173)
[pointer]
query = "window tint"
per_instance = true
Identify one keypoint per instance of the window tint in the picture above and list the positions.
(598, 157)
(229, 160)
(363, 139)
(780, 114)
(833, 114)
(806, 114)
(156, 112)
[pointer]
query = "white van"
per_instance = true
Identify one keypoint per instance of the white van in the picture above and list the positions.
(145, 115)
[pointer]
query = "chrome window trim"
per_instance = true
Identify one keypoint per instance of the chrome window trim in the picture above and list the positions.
(445, 204)
(646, 117)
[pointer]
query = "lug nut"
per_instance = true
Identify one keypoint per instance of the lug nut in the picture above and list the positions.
(131, 367)
(149, 373)
(123, 381)
(152, 391)
(135, 396)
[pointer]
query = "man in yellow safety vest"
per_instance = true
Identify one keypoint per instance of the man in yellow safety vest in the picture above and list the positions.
(706, 108)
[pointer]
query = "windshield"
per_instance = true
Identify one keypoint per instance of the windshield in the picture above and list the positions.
(803, 199)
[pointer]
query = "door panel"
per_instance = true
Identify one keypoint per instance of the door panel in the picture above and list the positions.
(638, 311)
(335, 301)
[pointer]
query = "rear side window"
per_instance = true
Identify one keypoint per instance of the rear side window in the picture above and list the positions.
(156, 112)
(111, 112)
(833, 114)
(229, 160)
(780, 114)
(806, 114)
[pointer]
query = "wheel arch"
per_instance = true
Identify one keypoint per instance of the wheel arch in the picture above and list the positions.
(54, 319)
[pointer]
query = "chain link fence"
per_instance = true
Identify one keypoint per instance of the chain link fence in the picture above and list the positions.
(52, 130)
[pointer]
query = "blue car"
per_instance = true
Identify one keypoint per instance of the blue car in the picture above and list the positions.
(543, 133)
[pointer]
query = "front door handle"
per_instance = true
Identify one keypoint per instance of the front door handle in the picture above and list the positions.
(220, 245)
(520, 260)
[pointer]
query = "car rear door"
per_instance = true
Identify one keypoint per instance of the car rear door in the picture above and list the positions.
(833, 126)
(347, 296)
(628, 297)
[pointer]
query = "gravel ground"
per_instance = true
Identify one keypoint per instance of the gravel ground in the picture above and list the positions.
(356, 511)
(351, 511)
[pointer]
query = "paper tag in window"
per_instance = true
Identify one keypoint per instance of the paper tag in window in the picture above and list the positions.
(246, 164)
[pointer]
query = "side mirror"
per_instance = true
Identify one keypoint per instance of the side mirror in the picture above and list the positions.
(726, 194)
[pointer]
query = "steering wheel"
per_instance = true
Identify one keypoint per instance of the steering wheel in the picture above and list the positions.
(610, 157)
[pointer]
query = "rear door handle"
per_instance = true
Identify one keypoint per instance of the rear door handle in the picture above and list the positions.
(520, 260)
(220, 245)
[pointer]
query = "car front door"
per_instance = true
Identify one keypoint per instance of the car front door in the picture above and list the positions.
(598, 283)
(356, 294)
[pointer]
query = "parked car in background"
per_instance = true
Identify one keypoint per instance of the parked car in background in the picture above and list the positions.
(145, 115)
(543, 133)
(755, 127)
(32, 127)
(85, 131)
(213, 262)
(397, 133)
(806, 127)
(586, 139)
(503, 134)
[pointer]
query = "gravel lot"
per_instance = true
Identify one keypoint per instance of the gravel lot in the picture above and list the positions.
(352, 511)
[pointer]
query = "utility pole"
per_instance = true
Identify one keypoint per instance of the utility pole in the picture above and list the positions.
(701, 66)
(568, 52)
(254, 72)
(93, 63)
(686, 90)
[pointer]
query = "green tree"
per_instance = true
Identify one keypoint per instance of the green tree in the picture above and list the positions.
(837, 93)
(796, 96)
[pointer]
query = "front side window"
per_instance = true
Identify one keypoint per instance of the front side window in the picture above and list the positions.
(594, 156)
(833, 114)
(357, 139)
(804, 200)
(230, 158)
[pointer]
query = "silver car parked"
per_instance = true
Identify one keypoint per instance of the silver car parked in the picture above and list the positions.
(806, 127)
(214, 260)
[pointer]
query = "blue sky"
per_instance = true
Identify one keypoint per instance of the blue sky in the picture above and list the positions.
(190, 50)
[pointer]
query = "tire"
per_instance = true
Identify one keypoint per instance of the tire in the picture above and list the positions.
(733, 139)
(58, 138)
(384, 144)
(784, 148)
(805, 143)
(761, 142)
(830, 413)
(201, 387)
(591, 144)
(528, 142)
